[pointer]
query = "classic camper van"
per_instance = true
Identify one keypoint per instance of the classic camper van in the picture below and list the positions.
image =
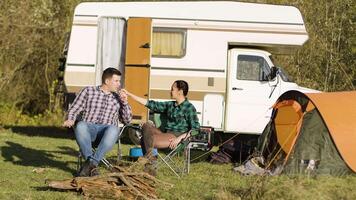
(222, 49)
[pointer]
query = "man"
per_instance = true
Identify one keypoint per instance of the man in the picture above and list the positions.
(102, 106)
(181, 118)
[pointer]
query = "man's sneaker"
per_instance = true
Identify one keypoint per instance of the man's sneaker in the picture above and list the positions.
(86, 169)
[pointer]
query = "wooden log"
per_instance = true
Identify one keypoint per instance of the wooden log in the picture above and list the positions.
(62, 185)
(123, 179)
(124, 184)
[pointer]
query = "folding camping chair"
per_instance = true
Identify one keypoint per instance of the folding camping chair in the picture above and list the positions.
(172, 160)
(104, 160)
(196, 140)
(200, 140)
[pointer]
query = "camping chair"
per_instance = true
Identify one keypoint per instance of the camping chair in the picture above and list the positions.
(197, 140)
(200, 140)
(104, 160)
(172, 160)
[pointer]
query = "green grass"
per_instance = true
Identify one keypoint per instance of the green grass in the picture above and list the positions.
(25, 149)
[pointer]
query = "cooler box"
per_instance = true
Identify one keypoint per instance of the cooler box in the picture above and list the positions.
(137, 152)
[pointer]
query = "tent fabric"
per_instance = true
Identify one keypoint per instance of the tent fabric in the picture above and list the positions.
(311, 130)
(338, 110)
(289, 114)
(317, 146)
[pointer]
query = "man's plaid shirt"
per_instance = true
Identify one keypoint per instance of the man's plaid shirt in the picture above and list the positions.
(180, 118)
(99, 107)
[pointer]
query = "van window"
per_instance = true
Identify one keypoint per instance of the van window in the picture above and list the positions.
(168, 42)
(284, 75)
(253, 68)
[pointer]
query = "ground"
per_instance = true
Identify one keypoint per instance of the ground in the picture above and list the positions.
(32, 155)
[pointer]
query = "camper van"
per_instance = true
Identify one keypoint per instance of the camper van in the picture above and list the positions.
(222, 49)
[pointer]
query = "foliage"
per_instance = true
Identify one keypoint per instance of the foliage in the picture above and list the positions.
(32, 37)
(327, 61)
(11, 116)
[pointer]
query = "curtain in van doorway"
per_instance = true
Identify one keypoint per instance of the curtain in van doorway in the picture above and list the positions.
(110, 46)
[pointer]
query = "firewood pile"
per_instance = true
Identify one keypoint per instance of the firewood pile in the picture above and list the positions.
(121, 184)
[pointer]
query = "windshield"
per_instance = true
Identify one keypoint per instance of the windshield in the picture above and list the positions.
(285, 77)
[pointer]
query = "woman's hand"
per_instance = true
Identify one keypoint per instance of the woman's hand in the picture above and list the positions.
(140, 100)
(174, 142)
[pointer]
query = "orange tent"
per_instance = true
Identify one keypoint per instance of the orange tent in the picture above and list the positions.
(312, 132)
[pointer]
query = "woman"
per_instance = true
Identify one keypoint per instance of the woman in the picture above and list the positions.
(181, 119)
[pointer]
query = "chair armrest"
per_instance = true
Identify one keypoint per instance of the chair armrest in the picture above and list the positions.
(133, 126)
(194, 132)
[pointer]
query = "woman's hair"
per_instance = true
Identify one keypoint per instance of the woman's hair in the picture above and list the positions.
(182, 85)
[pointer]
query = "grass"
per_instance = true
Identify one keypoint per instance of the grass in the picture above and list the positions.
(31, 155)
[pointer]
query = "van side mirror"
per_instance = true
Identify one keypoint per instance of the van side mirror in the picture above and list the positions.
(273, 73)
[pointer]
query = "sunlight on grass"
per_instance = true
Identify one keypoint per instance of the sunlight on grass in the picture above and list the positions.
(28, 160)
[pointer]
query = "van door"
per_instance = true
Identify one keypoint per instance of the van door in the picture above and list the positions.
(137, 64)
(248, 92)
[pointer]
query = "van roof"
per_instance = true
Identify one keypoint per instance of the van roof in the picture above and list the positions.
(201, 10)
(254, 50)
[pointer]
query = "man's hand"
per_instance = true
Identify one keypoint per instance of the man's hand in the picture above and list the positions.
(123, 96)
(69, 123)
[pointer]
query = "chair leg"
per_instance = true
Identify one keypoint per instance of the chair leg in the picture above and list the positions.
(169, 165)
(79, 162)
(187, 159)
(119, 151)
(176, 167)
(107, 163)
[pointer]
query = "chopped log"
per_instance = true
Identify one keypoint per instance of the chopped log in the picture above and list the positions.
(62, 185)
(126, 182)
(121, 184)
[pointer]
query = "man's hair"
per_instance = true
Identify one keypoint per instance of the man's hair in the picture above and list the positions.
(182, 85)
(108, 73)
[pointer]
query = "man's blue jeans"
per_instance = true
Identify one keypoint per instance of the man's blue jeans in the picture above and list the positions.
(86, 133)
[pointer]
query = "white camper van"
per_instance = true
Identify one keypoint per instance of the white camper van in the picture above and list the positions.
(222, 49)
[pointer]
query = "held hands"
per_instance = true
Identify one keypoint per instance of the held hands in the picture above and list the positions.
(123, 95)
(140, 100)
(68, 123)
(126, 92)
